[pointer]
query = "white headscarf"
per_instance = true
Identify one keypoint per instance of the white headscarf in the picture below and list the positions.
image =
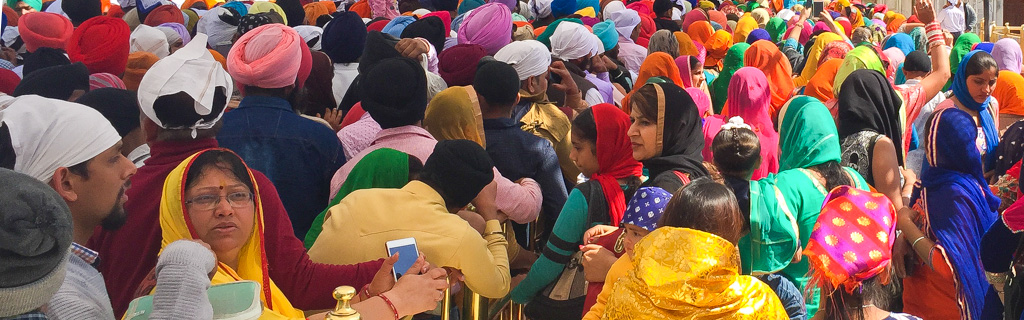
(612, 7)
(625, 21)
(785, 14)
(540, 8)
(530, 58)
(573, 41)
(48, 134)
(149, 39)
(192, 70)
(312, 35)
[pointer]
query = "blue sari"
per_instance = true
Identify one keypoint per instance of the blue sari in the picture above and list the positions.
(959, 206)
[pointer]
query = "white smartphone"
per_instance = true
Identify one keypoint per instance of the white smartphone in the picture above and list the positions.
(408, 253)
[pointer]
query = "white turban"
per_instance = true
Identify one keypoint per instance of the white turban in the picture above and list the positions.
(192, 70)
(312, 35)
(625, 21)
(48, 134)
(785, 14)
(530, 58)
(221, 33)
(540, 8)
(573, 41)
(612, 7)
(149, 39)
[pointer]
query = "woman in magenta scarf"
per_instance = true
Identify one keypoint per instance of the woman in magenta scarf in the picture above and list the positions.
(750, 99)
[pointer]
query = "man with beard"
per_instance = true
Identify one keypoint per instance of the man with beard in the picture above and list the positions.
(574, 47)
(270, 64)
(78, 153)
(538, 115)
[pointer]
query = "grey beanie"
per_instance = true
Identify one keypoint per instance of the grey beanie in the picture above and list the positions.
(35, 238)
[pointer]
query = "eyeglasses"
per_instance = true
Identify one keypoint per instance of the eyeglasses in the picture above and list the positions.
(209, 201)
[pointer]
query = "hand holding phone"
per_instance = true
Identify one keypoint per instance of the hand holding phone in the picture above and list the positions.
(407, 255)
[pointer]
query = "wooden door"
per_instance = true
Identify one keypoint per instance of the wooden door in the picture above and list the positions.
(1012, 10)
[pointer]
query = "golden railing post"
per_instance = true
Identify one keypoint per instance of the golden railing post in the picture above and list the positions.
(343, 311)
(474, 306)
(446, 304)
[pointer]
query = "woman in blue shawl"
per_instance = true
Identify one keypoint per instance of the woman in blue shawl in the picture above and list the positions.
(972, 85)
(947, 281)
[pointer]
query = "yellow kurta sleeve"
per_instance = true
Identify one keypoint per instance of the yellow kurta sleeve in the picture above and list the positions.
(617, 270)
(485, 267)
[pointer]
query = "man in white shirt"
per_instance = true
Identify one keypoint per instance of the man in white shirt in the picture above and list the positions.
(952, 18)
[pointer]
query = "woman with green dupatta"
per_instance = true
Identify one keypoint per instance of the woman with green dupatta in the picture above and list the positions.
(382, 168)
(785, 207)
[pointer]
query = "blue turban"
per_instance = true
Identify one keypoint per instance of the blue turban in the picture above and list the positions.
(238, 7)
(562, 8)
(397, 25)
(606, 32)
(758, 34)
(344, 37)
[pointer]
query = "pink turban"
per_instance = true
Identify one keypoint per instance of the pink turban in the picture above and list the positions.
(266, 57)
(489, 26)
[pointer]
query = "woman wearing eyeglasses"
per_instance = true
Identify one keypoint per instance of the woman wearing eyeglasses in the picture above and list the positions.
(211, 197)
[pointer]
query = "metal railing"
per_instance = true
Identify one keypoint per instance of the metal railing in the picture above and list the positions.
(476, 307)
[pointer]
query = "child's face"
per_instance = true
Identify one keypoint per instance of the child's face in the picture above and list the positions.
(584, 155)
(631, 236)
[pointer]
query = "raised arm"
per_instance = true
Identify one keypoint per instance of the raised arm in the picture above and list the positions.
(934, 82)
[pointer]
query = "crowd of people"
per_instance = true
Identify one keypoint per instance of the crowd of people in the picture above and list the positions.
(588, 159)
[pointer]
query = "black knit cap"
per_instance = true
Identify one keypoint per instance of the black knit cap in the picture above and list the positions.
(459, 169)
(395, 92)
(430, 28)
(917, 61)
(496, 81)
(57, 82)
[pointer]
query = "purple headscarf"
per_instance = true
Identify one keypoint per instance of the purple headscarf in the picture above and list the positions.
(180, 29)
(1008, 55)
(489, 26)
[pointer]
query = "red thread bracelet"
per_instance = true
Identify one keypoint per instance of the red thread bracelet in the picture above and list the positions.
(364, 294)
(392, 305)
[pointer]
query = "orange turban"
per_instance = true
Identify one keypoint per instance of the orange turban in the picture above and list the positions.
(138, 63)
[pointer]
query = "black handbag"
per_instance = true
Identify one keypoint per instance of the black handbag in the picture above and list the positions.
(562, 299)
(1013, 291)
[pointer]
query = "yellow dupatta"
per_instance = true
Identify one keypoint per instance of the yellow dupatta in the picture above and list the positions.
(813, 55)
(252, 259)
(681, 273)
(743, 28)
(454, 113)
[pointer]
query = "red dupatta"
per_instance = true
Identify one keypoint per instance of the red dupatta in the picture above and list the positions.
(614, 157)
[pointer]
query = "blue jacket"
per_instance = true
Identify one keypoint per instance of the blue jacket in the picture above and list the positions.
(297, 154)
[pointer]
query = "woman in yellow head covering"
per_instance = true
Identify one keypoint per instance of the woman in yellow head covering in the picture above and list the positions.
(743, 28)
(224, 210)
(455, 114)
(212, 196)
(811, 66)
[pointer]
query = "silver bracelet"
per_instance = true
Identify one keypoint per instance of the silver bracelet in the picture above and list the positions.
(914, 244)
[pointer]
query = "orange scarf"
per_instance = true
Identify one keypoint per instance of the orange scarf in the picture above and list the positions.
(766, 56)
